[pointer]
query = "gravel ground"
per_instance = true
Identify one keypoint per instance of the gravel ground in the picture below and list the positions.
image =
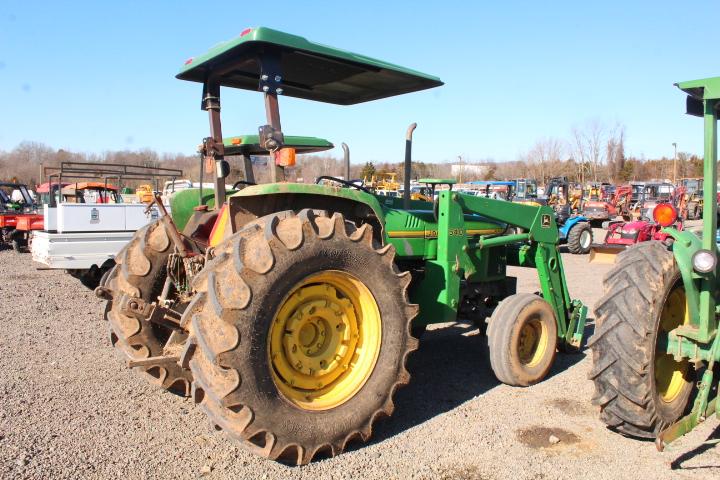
(70, 409)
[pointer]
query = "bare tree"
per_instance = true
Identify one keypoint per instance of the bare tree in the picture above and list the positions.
(615, 151)
(587, 141)
(544, 156)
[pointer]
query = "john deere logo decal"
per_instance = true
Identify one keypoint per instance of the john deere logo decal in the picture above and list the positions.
(545, 221)
(94, 215)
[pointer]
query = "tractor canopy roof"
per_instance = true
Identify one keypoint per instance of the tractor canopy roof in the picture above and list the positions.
(308, 70)
(70, 189)
(250, 145)
(699, 90)
(703, 89)
(491, 182)
(45, 187)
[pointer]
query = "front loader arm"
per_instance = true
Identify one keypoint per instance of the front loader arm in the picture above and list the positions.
(454, 259)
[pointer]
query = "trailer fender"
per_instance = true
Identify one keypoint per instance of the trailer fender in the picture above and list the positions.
(569, 224)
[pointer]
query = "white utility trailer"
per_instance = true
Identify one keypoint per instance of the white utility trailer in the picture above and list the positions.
(86, 223)
(83, 238)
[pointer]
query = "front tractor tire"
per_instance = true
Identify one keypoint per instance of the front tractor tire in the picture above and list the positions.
(140, 272)
(639, 387)
(580, 238)
(299, 335)
(522, 339)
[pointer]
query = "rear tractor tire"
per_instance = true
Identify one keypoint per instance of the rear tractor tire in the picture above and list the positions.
(522, 338)
(639, 387)
(580, 238)
(140, 272)
(299, 334)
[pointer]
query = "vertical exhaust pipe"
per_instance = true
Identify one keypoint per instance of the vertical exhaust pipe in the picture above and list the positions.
(346, 157)
(408, 165)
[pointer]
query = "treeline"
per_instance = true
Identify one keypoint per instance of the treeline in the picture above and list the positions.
(598, 159)
(25, 163)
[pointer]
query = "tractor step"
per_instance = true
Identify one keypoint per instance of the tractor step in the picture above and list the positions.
(153, 361)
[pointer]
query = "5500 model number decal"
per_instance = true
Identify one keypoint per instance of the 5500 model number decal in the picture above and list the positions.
(454, 232)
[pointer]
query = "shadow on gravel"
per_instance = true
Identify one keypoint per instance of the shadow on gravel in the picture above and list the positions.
(451, 367)
(712, 441)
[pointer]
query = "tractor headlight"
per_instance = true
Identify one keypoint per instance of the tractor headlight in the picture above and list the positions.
(703, 261)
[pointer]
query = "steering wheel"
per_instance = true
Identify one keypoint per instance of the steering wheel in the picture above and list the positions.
(343, 182)
(242, 182)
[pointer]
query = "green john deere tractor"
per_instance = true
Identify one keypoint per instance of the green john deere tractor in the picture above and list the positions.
(657, 327)
(289, 311)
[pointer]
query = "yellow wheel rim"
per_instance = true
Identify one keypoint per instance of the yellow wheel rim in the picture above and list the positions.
(670, 374)
(324, 340)
(533, 342)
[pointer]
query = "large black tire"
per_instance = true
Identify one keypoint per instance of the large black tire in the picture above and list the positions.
(19, 246)
(624, 343)
(238, 295)
(580, 238)
(19, 241)
(140, 273)
(510, 321)
(93, 277)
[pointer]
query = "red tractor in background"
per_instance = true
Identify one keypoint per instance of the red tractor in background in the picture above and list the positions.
(656, 193)
(609, 206)
(622, 235)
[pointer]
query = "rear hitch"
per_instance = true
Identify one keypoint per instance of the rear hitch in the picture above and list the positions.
(150, 312)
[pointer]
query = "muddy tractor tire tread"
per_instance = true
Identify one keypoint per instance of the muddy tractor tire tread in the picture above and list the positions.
(140, 272)
(574, 239)
(623, 345)
(230, 316)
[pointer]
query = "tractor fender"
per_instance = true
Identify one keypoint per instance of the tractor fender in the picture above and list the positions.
(257, 201)
(685, 245)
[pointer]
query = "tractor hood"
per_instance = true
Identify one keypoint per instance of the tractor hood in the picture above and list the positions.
(633, 227)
